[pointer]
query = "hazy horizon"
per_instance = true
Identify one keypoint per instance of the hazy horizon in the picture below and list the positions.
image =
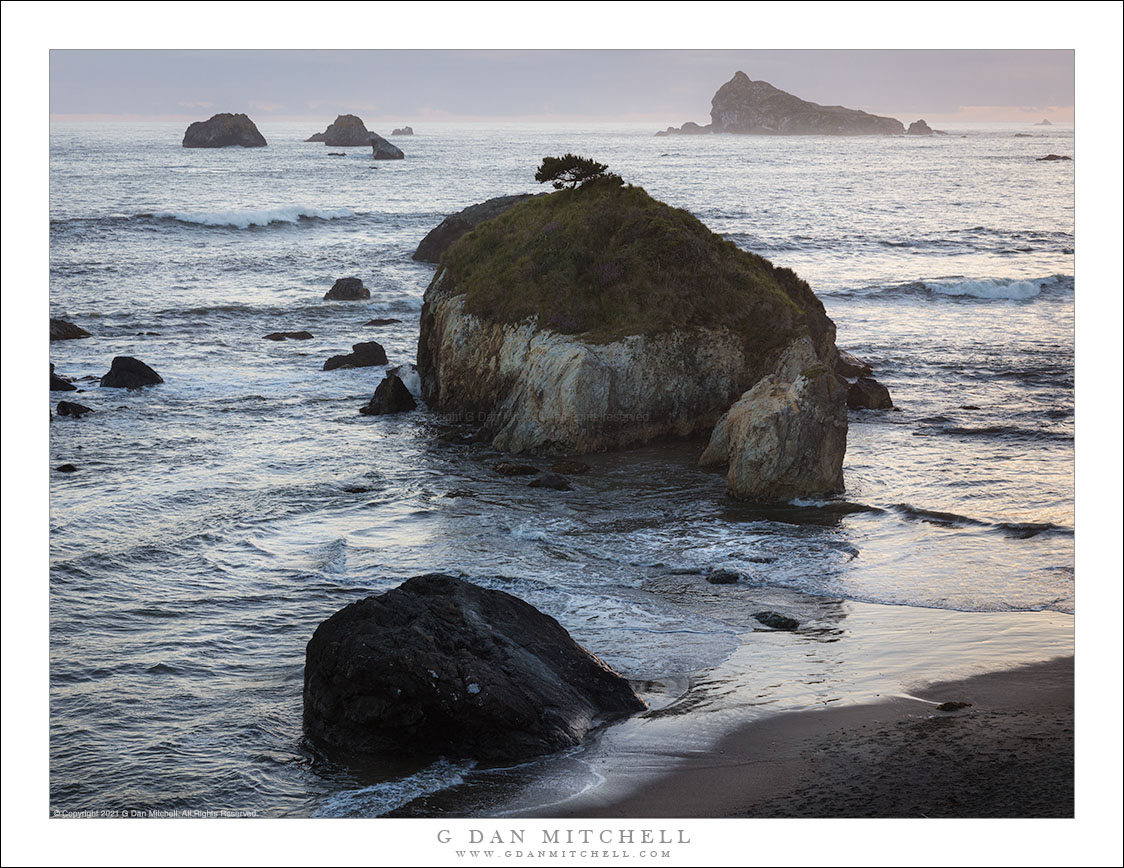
(661, 87)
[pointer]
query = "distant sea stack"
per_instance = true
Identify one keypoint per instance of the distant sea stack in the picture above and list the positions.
(757, 108)
(346, 131)
(1045, 122)
(224, 131)
(402, 131)
(919, 128)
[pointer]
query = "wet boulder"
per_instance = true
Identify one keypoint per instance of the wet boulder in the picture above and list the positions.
(776, 620)
(62, 330)
(128, 373)
(440, 666)
(289, 336)
(224, 130)
(347, 289)
(367, 354)
(391, 396)
(849, 366)
(70, 408)
(551, 480)
(867, 393)
(381, 149)
(58, 384)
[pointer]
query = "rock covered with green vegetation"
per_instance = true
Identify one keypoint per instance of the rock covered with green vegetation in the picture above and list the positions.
(596, 318)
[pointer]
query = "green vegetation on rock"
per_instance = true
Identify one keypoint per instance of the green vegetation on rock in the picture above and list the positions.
(604, 261)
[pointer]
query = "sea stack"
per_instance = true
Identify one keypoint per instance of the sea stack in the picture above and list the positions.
(346, 131)
(224, 131)
(599, 318)
(919, 128)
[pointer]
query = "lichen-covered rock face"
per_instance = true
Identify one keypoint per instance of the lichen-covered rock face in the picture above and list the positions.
(223, 131)
(783, 440)
(757, 108)
(440, 666)
(346, 131)
(590, 320)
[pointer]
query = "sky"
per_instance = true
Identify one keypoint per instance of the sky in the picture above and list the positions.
(665, 87)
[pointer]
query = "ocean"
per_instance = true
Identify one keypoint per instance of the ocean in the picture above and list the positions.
(215, 520)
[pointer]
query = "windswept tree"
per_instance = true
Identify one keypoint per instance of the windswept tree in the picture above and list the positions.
(573, 171)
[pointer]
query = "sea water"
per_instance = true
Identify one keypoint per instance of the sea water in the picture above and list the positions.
(215, 520)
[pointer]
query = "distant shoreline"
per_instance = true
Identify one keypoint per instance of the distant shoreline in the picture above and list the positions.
(1009, 754)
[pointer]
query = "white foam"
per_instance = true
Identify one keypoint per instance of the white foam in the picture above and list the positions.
(988, 288)
(383, 798)
(244, 219)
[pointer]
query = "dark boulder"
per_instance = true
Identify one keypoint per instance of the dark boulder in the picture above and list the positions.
(776, 620)
(456, 225)
(381, 149)
(347, 289)
(66, 468)
(510, 468)
(290, 336)
(363, 355)
(1051, 158)
(58, 384)
(723, 577)
(128, 373)
(440, 666)
(402, 131)
(391, 396)
(69, 408)
(919, 128)
(847, 365)
(346, 131)
(223, 131)
(551, 480)
(868, 394)
(61, 330)
(336, 154)
(953, 705)
(381, 322)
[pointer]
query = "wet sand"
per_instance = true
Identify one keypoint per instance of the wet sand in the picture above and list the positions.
(1008, 754)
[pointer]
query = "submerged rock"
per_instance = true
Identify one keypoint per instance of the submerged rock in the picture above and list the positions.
(381, 149)
(510, 468)
(66, 468)
(440, 666)
(346, 131)
(62, 330)
(290, 336)
(391, 396)
(1050, 158)
(867, 393)
(125, 372)
(439, 238)
(757, 108)
(551, 480)
(70, 408)
(783, 440)
(569, 465)
(598, 318)
(347, 289)
(58, 384)
(381, 322)
(223, 131)
(367, 354)
(919, 128)
(776, 620)
(723, 577)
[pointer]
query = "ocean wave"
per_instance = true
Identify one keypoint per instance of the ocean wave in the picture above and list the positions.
(968, 289)
(244, 219)
(1012, 529)
(1017, 290)
(381, 799)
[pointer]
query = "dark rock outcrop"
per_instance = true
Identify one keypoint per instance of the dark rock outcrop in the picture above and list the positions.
(363, 355)
(849, 366)
(690, 128)
(391, 396)
(757, 108)
(723, 577)
(347, 289)
(66, 468)
(224, 131)
(125, 372)
(1050, 158)
(867, 393)
(919, 128)
(776, 620)
(289, 336)
(402, 131)
(58, 384)
(551, 480)
(380, 322)
(440, 666)
(62, 330)
(346, 131)
(455, 225)
(381, 149)
(70, 408)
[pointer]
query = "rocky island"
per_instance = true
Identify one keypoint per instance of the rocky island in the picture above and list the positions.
(224, 131)
(349, 131)
(597, 318)
(750, 107)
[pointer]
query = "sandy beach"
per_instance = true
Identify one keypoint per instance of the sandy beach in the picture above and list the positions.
(1009, 753)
